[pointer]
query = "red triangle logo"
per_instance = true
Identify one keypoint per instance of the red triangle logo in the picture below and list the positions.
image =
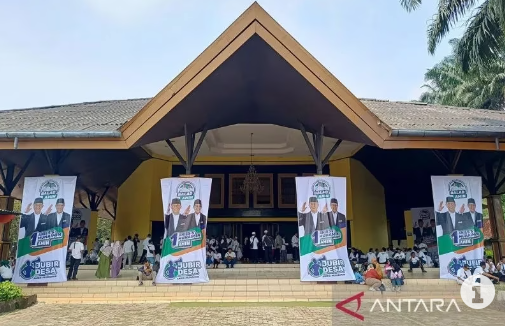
(356, 297)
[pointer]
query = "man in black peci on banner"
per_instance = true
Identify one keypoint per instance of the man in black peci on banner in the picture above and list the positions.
(450, 220)
(36, 221)
(313, 220)
(335, 217)
(198, 216)
(60, 218)
(184, 222)
(472, 217)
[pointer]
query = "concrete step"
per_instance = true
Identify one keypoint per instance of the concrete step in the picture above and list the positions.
(249, 297)
(289, 266)
(429, 283)
(228, 289)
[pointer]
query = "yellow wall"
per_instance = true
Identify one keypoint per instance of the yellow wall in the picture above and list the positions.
(366, 205)
(139, 199)
(139, 202)
(92, 228)
(409, 227)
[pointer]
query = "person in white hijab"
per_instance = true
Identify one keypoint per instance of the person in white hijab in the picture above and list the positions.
(104, 257)
(117, 258)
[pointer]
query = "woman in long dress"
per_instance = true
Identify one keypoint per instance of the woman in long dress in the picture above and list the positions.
(103, 270)
(117, 257)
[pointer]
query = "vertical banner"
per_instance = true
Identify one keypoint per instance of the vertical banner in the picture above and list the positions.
(322, 226)
(425, 229)
(185, 206)
(80, 217)
(46, 210)
(458, 213)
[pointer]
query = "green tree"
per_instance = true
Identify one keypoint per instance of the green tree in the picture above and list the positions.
(483, 38)
(104, 229)
(14, 226)
(481, 87)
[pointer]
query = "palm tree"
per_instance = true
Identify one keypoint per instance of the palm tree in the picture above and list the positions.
(481, 87)
(483, 38)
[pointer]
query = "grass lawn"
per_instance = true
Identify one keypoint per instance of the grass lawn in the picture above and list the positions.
(253, 304)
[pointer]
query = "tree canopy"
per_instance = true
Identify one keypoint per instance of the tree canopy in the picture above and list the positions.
(483, 39)
(481, 87)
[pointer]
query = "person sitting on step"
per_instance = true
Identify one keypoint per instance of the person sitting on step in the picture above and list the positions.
(501, 268)
(480, 271)
(146, 272)
(415, 262)
(373, 279)
(217, 258)
(5, 271)
(396, 276)
(463, 273)
(230, 258)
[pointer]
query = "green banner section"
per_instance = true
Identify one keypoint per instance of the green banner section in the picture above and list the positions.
(325, 238)
(181, 241)
(39, 241)
(446, 242)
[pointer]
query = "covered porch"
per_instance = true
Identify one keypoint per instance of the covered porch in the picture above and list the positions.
(256, 79)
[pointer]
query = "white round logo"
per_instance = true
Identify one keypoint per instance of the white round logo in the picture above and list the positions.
(477, 292)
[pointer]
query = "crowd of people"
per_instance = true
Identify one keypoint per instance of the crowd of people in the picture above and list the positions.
(416, 257)
(111, 258)
(228, 250)
(496, 273)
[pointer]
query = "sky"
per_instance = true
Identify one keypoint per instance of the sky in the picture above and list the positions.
(59, 52)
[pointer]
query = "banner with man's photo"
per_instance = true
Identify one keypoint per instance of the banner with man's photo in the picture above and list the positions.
(322, 226)
(46, 209)
(185, 206)
(458, 214)
(425, 230)
(79, 225)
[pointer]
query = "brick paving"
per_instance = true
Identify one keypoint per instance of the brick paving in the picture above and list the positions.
(134, 314)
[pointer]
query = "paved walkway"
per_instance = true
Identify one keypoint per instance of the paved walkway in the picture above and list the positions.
(164, 314)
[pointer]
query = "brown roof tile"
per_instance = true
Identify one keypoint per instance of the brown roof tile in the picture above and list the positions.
(111, 115)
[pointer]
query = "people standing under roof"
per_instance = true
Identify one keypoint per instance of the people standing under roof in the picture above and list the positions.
(128, 248)
(254, 248)
(145, 244)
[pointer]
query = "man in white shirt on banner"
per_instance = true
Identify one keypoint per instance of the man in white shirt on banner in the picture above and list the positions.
(336, 218)
(197, 216)
(473, 216)
(61, 218)
(76, 249)
(449, 220)
(295, 245)
(29, 222)
(313, 219)
(128, 248)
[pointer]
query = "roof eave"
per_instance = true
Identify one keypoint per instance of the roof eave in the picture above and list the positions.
(60, 134)
(446, 133)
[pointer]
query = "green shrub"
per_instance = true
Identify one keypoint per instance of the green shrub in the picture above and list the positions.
(9, 291)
